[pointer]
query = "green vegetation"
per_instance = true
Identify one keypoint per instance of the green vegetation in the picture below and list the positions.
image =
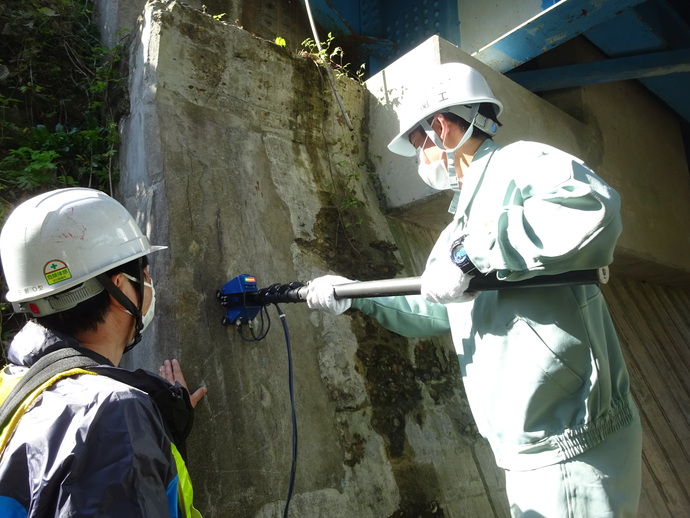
(58, 90)
(217, 17)
(57, 81)
(335, 58)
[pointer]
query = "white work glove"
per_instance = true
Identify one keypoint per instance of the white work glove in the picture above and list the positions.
(320, 295)
(444, 282)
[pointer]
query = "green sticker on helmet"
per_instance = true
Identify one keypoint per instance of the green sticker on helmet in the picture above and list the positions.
(56, 271)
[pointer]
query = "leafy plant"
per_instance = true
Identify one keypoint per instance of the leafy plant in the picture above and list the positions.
(333, 58)
(57, 127)
(59, 92)
(217, 17)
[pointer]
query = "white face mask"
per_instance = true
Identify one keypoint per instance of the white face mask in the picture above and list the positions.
(148, 317)
(435, 174)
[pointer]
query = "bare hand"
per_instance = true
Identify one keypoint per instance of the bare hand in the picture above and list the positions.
(171, 371)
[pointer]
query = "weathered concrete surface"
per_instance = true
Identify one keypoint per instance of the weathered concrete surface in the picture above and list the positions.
(482, 22)
(236, 157)
(117, 19)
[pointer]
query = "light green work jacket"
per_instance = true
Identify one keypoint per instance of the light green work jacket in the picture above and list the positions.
(542, 367)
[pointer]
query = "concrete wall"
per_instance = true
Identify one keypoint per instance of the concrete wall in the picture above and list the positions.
(117, 19)
(235, 155)
(483, 22)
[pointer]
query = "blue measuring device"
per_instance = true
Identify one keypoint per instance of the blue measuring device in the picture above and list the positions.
(240, 296)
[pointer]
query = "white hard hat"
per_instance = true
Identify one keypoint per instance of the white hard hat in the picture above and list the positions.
(452, 87)
(53, 245)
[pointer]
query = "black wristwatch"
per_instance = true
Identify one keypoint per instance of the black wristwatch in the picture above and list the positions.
(459, 256)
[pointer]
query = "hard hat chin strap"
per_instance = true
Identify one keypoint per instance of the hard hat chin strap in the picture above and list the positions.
(450, 154)
(118, 295)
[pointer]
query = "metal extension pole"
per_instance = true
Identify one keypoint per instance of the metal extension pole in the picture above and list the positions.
(412, 285)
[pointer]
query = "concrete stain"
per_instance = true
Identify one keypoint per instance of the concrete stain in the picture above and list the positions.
(394, 381)
(350, 250)
(420, 510)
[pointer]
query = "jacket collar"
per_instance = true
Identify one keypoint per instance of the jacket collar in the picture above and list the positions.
(34, 341)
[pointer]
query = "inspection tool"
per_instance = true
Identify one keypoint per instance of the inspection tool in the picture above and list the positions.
(244, 300)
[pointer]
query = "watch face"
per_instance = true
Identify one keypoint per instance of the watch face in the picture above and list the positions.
(459, 256)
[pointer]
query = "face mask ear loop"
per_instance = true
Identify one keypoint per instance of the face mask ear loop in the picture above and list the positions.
(420, 152)
(431, 134)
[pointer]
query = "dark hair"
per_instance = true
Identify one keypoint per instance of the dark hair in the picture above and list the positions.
(88, 314)
(486, 109)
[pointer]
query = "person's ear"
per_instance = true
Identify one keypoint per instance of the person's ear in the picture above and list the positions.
(119, 281)
(444, 125)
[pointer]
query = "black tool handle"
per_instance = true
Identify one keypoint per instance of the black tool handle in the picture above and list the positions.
(412, 285)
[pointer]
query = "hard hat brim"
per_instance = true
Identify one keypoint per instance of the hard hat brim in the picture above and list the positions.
(401, 145)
